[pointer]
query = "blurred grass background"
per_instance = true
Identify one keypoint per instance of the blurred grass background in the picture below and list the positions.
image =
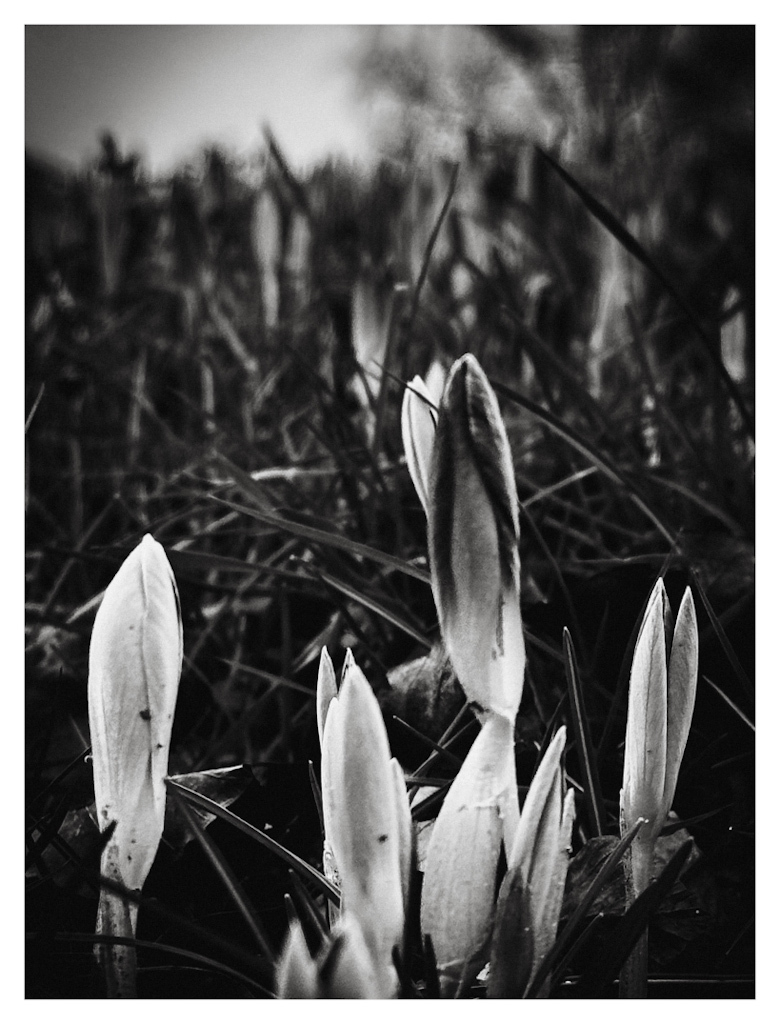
(217, 356)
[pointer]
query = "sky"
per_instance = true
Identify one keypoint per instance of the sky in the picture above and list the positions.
(164, 90)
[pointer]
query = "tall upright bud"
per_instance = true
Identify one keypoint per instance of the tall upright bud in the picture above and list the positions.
(363, 818)
(135, 659)
(473, 534)
(661, 696)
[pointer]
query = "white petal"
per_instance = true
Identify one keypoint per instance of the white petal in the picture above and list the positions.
(644, 766)
(460, 870)
(683, 672)
(546, 778)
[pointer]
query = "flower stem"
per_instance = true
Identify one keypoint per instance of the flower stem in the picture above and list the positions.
(117, 918)
(637, 867)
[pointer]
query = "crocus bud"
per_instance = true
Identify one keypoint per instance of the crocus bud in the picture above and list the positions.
(540, 856)
(662, 691)
(135, 659)
(473, 537)
(343, 969)
(418, 427)
(296, 971)
(462, 859)
(347, 969)
(360, 806)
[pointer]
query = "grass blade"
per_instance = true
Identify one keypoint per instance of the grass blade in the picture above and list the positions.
(740, 673)
(585, 751)
(584, 448)
(162, 947)
(632, 246)
(375, 606)
(333, 540)
(730, 703)
(292, 859)
(631, 928)
(568, 933)
(225, 873)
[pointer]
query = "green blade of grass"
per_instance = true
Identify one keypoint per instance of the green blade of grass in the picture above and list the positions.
(581, 940)
(153, 907)
(162, 947)
(731, 525)
(631, 928)
(740, 673)
(430, 246)
(376, 607)
(300, 906)
(584, 448)
(555, 568)
(268, 677)
(730, 703)
(456, 761)
(333, 540)
(595, 887)
(225, 873)
(294, 861)
(585, 751)
(632, 246)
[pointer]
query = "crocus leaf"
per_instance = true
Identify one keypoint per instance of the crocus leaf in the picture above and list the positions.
(405, 836)
(548, 914)
(512, 948)
(630, 928)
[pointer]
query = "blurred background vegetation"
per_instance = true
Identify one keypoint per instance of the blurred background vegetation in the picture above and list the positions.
(204, 361)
